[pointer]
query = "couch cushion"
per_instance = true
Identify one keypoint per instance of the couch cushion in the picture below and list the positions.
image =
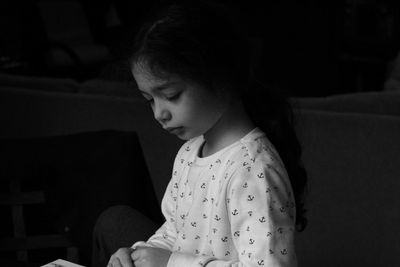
(382, 103)
(353, 162)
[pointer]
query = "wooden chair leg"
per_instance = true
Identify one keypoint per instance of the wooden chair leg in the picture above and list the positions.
(18, 219)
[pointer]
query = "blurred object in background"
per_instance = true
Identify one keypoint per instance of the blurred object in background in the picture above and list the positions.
(69, 36)
(392, 82)
(21, 39)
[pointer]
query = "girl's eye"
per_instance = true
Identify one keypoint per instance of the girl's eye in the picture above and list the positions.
(174, 97)
(151, 100)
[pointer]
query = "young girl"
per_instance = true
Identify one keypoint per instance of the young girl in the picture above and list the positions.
(235, 196)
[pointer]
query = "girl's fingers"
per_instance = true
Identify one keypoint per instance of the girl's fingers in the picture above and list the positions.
(125, 260)
(122, 258)
(136, 254)
(116, 263)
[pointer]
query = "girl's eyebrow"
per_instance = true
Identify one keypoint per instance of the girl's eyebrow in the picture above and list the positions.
(161, 87)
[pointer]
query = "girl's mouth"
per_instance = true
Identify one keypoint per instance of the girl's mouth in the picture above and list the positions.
(174, 130)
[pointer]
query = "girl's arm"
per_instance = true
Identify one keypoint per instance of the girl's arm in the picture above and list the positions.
(165, 236)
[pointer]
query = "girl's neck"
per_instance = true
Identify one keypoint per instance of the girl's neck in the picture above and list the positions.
(232, 126)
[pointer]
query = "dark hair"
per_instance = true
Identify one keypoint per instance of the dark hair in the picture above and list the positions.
(200, 41)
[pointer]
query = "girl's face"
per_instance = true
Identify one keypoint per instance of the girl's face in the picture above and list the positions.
(183, 108)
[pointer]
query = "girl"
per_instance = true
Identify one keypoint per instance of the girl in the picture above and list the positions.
(235, 196)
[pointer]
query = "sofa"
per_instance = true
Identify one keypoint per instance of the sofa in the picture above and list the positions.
(351, 151)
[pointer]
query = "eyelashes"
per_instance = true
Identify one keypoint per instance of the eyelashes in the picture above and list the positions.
(169, 98)
(174, 97)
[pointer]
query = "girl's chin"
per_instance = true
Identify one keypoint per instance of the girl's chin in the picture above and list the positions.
(185, 135)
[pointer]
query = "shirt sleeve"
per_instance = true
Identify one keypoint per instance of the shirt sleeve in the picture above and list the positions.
(166, 235)
(262, 214)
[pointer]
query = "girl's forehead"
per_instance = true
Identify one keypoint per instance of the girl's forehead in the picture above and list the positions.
(146, 78)
(144, 72)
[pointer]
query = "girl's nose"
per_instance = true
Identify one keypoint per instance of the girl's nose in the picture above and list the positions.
(161, 114)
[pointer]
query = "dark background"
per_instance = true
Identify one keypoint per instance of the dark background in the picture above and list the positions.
(306, 48)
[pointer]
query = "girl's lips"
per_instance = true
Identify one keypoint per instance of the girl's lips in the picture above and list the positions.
(173, 129)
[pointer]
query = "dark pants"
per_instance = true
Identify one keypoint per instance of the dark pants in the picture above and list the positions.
(117, 227)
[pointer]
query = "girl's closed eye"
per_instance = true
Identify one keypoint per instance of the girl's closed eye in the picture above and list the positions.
(174, 96)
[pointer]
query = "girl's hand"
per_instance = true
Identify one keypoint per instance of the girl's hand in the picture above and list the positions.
(121, 258)
(150, 257)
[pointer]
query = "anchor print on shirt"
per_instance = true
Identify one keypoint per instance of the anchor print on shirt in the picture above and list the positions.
(249, 199)
(248, 168)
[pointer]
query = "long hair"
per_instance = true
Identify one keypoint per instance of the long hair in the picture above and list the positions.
(201, 41)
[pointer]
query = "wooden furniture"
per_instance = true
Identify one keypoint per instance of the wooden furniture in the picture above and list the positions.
(21, 243)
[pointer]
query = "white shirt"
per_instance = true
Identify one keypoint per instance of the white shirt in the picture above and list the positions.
(233, 208)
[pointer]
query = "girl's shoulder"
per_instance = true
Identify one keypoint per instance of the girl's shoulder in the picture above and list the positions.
(256, 148)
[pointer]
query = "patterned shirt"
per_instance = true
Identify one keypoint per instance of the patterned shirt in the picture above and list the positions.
(233, 208)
